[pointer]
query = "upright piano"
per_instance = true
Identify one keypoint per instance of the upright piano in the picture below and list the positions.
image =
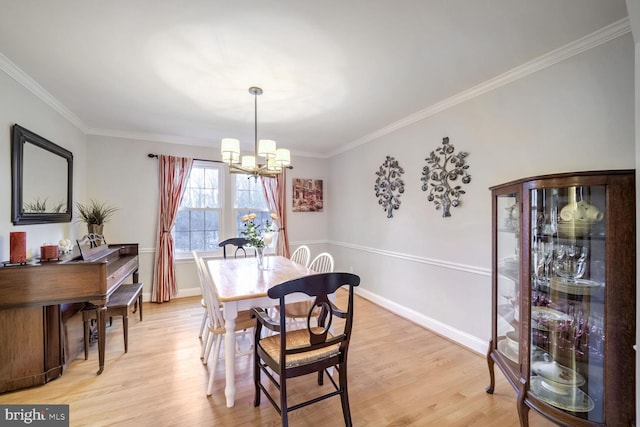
(40, 303)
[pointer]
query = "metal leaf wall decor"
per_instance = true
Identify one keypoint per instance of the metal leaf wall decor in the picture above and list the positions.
(389, 185)
(444, 167)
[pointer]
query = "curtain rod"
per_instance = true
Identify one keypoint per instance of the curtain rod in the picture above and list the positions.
(151, 155)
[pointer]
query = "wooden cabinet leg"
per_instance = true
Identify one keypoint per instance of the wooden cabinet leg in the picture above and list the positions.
(523, 410)
(492, 376)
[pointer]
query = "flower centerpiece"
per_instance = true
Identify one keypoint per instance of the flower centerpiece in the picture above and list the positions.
(259, 234)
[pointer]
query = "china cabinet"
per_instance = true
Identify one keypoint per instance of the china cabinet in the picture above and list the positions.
(563, 296)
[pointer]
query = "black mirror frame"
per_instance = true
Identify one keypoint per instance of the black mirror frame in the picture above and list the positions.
(20, 136)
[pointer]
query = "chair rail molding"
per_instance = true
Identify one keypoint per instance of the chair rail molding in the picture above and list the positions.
(422, 260)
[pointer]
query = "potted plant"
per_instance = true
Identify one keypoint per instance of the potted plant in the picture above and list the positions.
(95, 214)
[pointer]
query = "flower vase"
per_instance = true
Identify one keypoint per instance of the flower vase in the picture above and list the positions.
(260, 258)
(263, 259)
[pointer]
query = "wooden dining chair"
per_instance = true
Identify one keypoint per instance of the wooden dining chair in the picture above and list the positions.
(323, 263)
(312, 350)
(296, 312)
(204, 331)
(301, 255)
(215, 325)
(238, 242)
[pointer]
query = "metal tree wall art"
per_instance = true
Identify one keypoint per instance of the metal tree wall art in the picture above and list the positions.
(443, 168)
(389, 185)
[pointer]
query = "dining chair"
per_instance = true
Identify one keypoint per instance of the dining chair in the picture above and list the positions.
(205, 315)
(216, 328)
(323, 263)
(296, 312)
(301, 255)
(313, 350)
(238, 242)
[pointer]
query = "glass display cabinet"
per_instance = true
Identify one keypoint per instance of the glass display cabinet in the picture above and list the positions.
(563, 296)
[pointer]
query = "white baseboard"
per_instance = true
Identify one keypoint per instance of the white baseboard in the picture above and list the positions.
(188, 292)
(182, 293)
(471, 342)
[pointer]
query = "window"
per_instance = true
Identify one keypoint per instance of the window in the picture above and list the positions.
(197, 225)
(211, 209)
(249, 198)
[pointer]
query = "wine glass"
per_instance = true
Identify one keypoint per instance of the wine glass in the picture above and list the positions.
(570, 262)
(542, 255)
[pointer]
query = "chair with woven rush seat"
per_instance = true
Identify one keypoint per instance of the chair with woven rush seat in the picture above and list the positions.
(119, 303)
(312, 350)
(238, 242)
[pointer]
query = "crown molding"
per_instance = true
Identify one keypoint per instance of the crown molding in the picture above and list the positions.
(583, 44)
(13, 71)
(574, 48)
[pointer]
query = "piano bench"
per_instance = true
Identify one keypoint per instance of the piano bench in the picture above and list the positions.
(118, 305)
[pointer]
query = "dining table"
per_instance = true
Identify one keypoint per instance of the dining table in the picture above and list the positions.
(241, 285)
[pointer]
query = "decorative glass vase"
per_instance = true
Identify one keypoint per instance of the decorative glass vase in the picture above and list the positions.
(263, 259)
(260, 257)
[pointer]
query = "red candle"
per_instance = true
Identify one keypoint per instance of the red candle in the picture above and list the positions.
(48, 252)
(17, 246)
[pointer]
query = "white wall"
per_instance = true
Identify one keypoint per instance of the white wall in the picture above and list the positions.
(122, 174)
(575, 115)
(19, 105)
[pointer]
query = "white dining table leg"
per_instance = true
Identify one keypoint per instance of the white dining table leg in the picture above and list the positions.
(230, 315)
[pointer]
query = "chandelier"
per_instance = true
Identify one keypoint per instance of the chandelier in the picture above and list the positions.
(275, 160)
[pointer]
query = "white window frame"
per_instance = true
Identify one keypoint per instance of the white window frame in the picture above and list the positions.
(220, 209)
(228, 212)
(237, 210)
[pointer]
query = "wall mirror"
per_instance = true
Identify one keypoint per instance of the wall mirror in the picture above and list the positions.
(41, 179)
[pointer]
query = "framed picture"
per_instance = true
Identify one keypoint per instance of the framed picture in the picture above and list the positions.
(307, 195)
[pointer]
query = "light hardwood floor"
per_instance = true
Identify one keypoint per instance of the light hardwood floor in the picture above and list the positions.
(399, 375)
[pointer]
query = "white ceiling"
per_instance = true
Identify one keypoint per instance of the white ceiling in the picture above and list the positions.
(333, 72)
